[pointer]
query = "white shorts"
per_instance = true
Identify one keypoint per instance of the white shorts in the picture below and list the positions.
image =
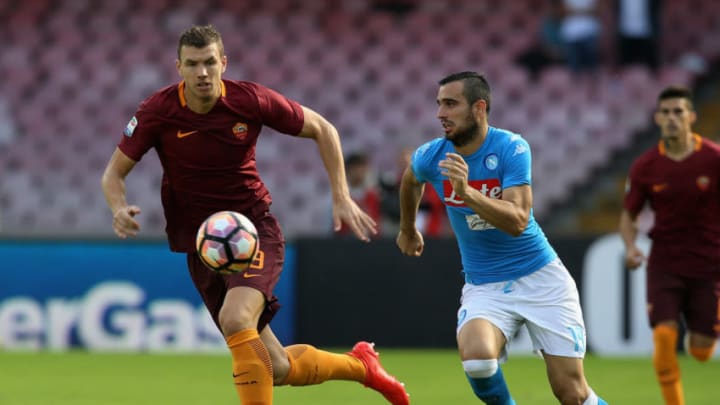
(546, 301)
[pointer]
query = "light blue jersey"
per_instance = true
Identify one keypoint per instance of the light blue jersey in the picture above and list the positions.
(488, 254)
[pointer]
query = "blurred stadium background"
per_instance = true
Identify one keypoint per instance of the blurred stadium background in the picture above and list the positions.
(74, 71)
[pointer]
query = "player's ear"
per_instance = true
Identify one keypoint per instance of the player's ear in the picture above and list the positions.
(223, 60)
(177, 66)
(480, 107)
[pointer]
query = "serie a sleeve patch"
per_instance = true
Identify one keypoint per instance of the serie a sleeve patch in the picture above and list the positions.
(130, 127)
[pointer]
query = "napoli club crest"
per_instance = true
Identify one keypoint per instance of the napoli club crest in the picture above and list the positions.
(491, 161)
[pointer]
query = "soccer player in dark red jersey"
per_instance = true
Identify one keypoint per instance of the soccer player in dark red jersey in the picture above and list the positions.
(680, 179)
(204, 130)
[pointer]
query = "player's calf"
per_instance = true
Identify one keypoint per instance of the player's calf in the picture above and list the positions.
(665, 362)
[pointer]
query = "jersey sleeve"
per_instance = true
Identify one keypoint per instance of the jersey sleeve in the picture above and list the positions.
(635, 193)
(139, 135)
(279, 112)
(518, 163)
(421, 163)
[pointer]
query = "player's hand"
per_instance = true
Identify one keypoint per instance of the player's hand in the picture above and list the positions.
(456, 170)
(124, 223)
(634, 257)
(411, 243)
(347, 211)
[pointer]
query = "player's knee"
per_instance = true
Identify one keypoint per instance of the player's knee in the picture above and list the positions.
(701, 353)
(232, 321)
(480, 368)
(230, 326)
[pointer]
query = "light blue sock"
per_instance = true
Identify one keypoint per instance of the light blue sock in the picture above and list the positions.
(601, 401)
(492, 390)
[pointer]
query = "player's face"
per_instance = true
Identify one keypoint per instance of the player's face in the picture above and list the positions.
(456, 116)
(675, 118)
(202, 69)
(357, 174)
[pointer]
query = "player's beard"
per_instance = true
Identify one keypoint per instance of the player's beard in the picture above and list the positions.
(464, 136)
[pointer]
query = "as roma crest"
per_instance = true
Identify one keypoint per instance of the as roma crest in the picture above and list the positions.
(703, 182)
(239, 129)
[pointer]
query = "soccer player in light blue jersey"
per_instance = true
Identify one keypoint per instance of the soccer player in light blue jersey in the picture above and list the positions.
(512, 274)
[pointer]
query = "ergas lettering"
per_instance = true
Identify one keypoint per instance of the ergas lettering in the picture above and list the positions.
(111, 316)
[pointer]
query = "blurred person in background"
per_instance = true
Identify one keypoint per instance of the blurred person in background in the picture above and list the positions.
(431, 219)
(549, 49)
(364, 190)
(680, 180)
(513, 276)
(204, 130)
(580, 32)
(638, 32)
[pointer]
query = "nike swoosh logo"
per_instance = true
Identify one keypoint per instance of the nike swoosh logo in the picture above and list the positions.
(239, 374)
(246, 275)
(181, 134)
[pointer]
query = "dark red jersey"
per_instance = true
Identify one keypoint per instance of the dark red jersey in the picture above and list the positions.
(685, 197)
(208, 159)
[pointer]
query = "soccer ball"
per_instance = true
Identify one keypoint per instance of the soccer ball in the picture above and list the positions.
(227, 242)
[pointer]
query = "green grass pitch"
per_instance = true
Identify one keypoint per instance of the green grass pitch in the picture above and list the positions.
(433, 377)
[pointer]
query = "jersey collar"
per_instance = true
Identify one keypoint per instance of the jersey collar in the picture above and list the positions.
(696, 137)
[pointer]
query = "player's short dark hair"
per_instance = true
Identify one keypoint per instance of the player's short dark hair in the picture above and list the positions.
(677, 92)
(357, 159)
(475, 86)
(200, 36)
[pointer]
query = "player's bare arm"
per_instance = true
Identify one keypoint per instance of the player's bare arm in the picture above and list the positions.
(634, 257)
(509, 214)
(344, 208)
(409, 239)
(113, 185)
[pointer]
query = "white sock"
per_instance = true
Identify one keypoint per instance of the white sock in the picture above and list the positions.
(592, 399)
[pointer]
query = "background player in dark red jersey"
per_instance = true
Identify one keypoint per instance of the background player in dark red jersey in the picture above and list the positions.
(204, 130)
(680, 178)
